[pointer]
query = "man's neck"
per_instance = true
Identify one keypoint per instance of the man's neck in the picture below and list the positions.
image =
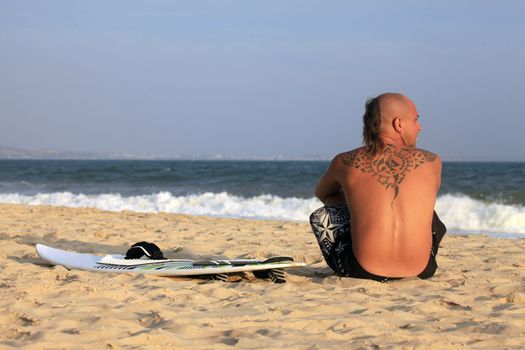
(396, 141)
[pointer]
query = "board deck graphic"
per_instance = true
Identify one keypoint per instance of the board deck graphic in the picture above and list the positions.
(272, 268)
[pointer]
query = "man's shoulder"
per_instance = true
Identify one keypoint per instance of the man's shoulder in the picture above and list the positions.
(355, 151)
(357, 157)
(424, 156)
(349, 158)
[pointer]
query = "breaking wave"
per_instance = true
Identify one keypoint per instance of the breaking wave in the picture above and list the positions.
(460, 213)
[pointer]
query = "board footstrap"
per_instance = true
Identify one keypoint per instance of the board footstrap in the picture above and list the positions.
(147, 249)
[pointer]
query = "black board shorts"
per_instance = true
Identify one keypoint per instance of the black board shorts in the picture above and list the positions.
(331, 226)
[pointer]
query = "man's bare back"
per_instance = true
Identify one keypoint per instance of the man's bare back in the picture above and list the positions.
(390, 194)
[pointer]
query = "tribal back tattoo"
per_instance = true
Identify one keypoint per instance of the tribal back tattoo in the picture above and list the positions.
(390, 166)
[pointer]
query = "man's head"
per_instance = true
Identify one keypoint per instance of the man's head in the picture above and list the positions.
(390, 118)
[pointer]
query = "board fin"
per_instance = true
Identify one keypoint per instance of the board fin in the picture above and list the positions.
(223, 277)
(275, 275)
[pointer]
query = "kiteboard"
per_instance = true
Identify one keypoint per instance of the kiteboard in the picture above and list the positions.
(271, 268)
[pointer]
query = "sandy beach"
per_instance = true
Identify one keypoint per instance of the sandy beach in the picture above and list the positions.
(475, 301)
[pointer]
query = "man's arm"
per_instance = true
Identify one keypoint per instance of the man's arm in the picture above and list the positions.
(438, 170)
(328, 189)
(423, 156)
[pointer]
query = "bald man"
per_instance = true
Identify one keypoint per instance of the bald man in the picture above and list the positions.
(378, 221)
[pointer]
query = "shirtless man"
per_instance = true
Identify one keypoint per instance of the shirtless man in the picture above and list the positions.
(388, 228)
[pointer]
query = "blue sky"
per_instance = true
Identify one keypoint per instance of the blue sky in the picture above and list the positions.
(258, 78)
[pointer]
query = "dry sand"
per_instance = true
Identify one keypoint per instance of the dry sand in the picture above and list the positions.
(475, 301)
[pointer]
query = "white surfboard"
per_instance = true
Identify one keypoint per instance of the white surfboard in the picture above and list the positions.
(272, 268)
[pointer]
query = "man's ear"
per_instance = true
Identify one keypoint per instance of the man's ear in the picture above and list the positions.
(397, 123)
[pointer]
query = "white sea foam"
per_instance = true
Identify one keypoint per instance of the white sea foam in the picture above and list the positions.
(211, 204)
(460, 213)
(464, 214)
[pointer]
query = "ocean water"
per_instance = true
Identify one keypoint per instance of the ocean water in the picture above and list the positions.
(487, 198)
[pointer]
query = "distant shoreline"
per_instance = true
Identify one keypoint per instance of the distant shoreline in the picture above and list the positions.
(204, 159)
(12, 153)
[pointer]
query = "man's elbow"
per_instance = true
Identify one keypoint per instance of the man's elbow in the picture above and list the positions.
(321, 196)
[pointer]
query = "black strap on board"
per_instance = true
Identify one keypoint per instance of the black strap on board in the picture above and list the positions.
(145, 249)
